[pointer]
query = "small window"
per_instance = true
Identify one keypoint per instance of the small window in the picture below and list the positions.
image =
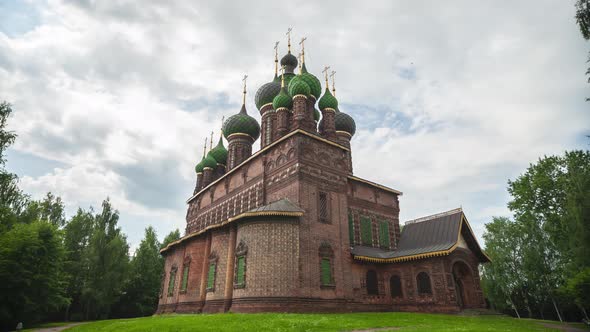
(184, 283)
(240, 271)
(372, 286)
(384, 234)
(395, 285)
(326, 272)
(423, 281)
(366, 231)
(323, 210)
(211, 276)
(171, 281)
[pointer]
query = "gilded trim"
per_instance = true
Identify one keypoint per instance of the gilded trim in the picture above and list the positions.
(352, 177)
(204, 168)
(343, 132)
(329, 109)
(240, 134)
(230, 220)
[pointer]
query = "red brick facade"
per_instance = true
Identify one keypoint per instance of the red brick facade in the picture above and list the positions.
(283, 254)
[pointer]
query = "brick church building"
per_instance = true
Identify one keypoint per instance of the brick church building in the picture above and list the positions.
(290, 228)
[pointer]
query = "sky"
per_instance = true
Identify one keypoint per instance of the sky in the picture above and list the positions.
(451, 99)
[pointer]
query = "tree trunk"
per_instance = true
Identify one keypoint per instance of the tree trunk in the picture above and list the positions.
(584, 312)
(514, 307)
(556, 309)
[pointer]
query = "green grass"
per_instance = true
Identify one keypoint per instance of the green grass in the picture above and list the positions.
(314, 322)
(45, 325)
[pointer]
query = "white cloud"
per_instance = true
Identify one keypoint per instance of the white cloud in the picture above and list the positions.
(454, 100)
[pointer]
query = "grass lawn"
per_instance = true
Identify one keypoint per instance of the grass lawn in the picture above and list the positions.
(315, 322)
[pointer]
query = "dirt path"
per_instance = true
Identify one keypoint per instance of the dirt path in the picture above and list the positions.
(564, 328)
(56, 328)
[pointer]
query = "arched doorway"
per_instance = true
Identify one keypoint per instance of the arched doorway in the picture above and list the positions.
(464, 285)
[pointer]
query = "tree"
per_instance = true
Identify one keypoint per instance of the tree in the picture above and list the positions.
(12, 199)
(143, 286)
(77, 234)
(33, 282)
(583, 19)
(107, 264)
(171, 237)
(50, 209)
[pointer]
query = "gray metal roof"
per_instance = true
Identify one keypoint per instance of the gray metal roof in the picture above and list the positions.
(426, 235)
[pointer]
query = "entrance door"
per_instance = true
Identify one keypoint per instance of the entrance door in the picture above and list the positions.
(464, 285)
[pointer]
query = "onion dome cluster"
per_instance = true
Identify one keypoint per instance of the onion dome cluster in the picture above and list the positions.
(241, 123)
(219, 153)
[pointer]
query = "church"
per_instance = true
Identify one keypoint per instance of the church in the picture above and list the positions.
(290, 228)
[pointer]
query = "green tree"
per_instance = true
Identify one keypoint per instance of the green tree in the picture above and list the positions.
(50, 209)
(143, 286)
(12, 200)
(171, 237)
(108, 261)
(33, 282)
(77, 234)
(583, 19)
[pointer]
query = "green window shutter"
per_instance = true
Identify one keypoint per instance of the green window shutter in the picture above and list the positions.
(366, 231)
(350, 229)
(326, 271)
(171, 282)
(211, 276)
(240, 270)
(384, 234)
(184, 284)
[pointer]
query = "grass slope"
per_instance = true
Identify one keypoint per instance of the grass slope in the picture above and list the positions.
(314, 322)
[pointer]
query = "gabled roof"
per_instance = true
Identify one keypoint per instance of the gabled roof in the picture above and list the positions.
(283, 207)
(436, 235)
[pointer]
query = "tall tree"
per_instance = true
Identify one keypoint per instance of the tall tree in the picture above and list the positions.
(583, 19)
(31, 270)
(77, 234)
(108, 261)
(12, 200)
(171, 237)
(143, 286)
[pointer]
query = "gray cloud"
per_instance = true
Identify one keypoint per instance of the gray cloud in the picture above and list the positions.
(455, 99)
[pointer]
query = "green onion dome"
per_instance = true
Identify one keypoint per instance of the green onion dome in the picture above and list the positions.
(199, 167)
(328, 101)
(316, 114)
(345, 122)
(241, 123)
(298, 87)
(209, 162)
(312, 81)
(288, 78)
(219, 152)
(290, 62)
(267, 92)
(282, 100)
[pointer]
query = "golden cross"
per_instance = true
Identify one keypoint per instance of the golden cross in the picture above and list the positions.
(244, 80)
(211, 142)
(325, 71)
(222, 120)
(289, 38)
(333, 82)
(282, 76)
(302, 48)
(276, 58)
(205, 147)
(300, 61)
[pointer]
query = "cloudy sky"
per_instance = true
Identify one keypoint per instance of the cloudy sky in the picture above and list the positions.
(114, 98)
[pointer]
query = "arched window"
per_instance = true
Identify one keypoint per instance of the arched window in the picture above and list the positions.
(423, 282)
(172, 280)
(211, 272)
(326, 257)
(372, 287)
(240, 269)
(395, 285)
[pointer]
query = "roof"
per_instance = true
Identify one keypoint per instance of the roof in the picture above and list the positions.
(376, 185)
(436, 235)
(283, 207)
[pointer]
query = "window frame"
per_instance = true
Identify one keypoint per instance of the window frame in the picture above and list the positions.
(326, 255)
(184, 280)
(384, 234)
(371, 289)
(172, 281)
(366, 230)
(422, 277)
(397, 295)
(324, 213)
